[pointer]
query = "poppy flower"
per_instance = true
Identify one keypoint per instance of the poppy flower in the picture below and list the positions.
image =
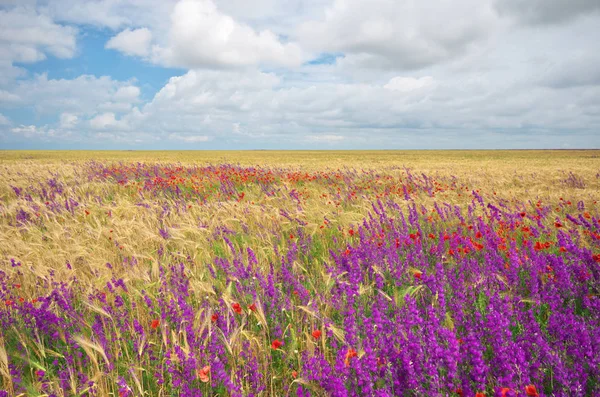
(459, 392)
(432, 236)
(504, 391)
(154, 324)
(316, 333)
(530, 390)
(294, 374)
(252, 307)
(480, 394)
(237, 308)
(562, 249)
(214, 317)
(538, 246)
(204, 373)
(351, 353)
(276, 344)
(522, 214)
(478, 235)
(418, 275)
(558, 224)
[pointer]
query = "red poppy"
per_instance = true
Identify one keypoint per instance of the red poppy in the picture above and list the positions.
(522, 214)
(237, 308)
(504, 391)
(459, 392)
(214, 317)
(480, 394)
(432, 236)
(351, 353)
(203, 374)
(531, 391)
(8, 302)
(418, 275)
(596, 258)
(276, 344)
(351, 232)
(562, 249)
(154, 324)
(294, 374)
(558, 224)
(478, 235)
(252, 307)
(538, 246)
(316, 334)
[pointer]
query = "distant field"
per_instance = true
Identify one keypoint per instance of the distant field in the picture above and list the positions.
(317, 273)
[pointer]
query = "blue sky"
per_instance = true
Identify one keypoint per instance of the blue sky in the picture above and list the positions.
(312, 74)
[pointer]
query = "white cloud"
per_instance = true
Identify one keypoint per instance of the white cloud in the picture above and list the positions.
(82, 95)
(43, 133)
(132, 42)
(27, 36)
(408, 84)
(189, 138)
(103, 121)
(7, 97)
(129, 93)
(4, 120)
(387, 34)
(202, 36)
(68, 120)
(327, 138)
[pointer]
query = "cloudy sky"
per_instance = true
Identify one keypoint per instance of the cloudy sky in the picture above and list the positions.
(299, 74)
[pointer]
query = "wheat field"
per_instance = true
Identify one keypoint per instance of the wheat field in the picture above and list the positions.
(265, 273)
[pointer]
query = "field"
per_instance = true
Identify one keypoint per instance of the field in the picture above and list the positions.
(259, 273)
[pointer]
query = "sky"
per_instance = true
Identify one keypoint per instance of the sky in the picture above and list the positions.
(299, 74)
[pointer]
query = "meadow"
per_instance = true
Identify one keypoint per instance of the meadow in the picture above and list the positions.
(262, 273)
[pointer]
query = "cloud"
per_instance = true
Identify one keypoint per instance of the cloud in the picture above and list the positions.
(327, 138)
(4, 120)
(68, 120)
(202, 36)
(546, 12)
(27, 36)
(189, 138)
(387, 34)
(408, 84)
(83, 95)
(103, 121)
(43, 133)
(132, 42)
(580, 70)
(8, 98)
